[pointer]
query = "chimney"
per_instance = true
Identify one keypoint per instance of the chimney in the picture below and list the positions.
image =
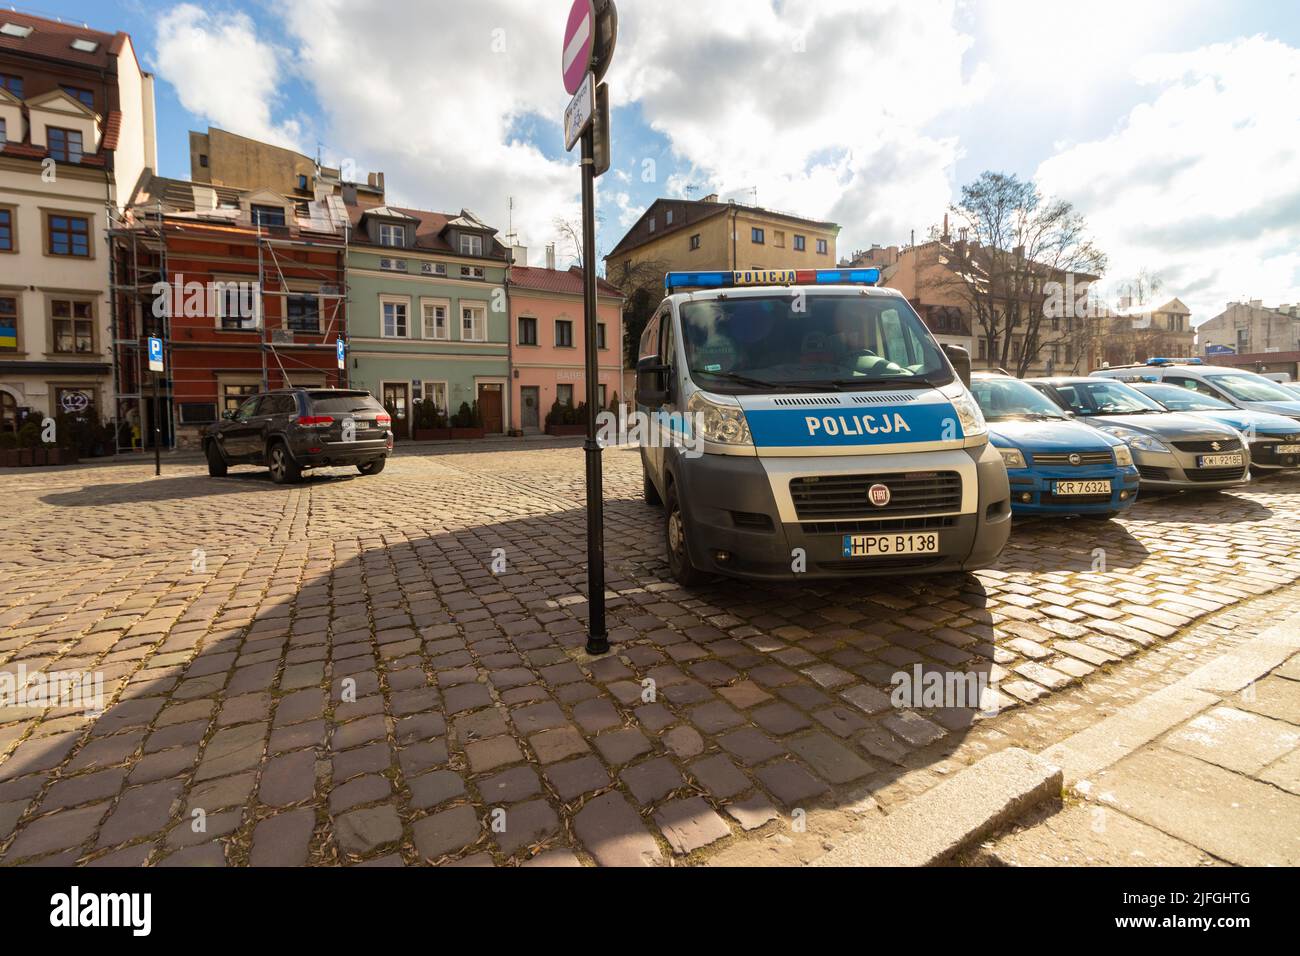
(519, 255)
(550, 256)
(711, 197)
(945, 227)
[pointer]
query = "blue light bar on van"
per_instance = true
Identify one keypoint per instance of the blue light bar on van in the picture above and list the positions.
(761, 277)
(1175, 361)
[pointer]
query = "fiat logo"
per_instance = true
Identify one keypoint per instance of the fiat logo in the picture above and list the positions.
(1076, 458)
(879, 495)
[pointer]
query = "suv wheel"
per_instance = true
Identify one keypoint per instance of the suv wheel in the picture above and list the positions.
(679, 557)
(217, 466)
(284, 470)
(372, 467)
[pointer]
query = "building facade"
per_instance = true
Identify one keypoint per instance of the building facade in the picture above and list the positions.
(430, 320)
(1137, 333)
(76, 135)
(548, 344)
(1251, 327)
(246, 293)
(686, 235)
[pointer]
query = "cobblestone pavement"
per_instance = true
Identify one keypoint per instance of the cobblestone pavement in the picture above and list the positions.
(332, 673)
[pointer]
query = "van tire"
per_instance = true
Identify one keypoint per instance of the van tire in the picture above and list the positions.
(284, 470)
(372, 467)
(217, 466)
(650, 491)
(679, 558)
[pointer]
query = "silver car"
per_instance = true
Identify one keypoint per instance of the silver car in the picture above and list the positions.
(1172, 451)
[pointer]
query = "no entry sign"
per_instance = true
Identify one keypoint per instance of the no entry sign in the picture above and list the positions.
(579, 44)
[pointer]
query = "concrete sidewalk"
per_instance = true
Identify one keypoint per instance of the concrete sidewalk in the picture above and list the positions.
(1205, 772)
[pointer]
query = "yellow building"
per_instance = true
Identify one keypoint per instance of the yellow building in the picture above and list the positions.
(693, 235)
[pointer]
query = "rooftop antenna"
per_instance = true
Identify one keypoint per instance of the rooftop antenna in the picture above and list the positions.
(511, 235)
(691, 189)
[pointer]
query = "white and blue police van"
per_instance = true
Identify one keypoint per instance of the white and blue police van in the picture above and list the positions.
(812, 427)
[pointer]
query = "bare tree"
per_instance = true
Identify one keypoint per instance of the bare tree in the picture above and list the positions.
(642, 283)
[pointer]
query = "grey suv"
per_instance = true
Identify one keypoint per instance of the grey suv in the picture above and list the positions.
(292, 429)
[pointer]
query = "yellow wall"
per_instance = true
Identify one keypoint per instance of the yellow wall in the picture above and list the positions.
(247, 164)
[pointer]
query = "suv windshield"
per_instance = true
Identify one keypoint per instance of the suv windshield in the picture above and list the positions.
(1103, 397)
(809, 340)
(1182, 399)
(1250, 388)
(1007, 398)
(339, 402)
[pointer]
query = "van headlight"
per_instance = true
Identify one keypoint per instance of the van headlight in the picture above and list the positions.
(969, 415)
(722, 424)
(1123, 457)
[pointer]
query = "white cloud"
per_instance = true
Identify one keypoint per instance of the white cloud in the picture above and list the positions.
(820, 104)
(1201, 184)
(224, 72)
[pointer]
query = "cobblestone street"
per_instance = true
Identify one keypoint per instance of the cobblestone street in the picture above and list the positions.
(332, 673)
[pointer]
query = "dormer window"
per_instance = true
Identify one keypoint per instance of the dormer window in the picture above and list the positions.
(471, 245)
(16, 30)
(268, 215)
(14, 84)
(65, 144)
(85, 96)
(392, 235)
(302, 182)
(84, 46)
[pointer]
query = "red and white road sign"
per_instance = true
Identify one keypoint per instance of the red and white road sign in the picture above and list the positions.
(579, 44)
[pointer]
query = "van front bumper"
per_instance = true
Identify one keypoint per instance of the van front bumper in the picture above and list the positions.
(734, 528)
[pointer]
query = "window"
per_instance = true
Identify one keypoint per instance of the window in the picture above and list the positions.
(564, 394)
(983, 349)
(471, 245)
(8, 323)
(756, 236)
(778, 238)
(7, 229)
(303, 312)
(473, 323)
(800, 243)
(4, 133)
(436, 392)
(392, 235)
(600, 337)
(203, 160)
(268, 215)
(822, 247)
(14, 84)
(76, 401)
(19, 30)
(393, 265)
(527, 330)
(395, 324)
(695, 242)
(602, 400)
(73, 325)
(472, 272)
(69, 236)
(232, 396)
(435, 320)
(302, 181)
(652, 224)
(563, 334)
(237, 306)
(433, 268)
(85, 96)
(82, 45)
(64, 144)
(668, 217)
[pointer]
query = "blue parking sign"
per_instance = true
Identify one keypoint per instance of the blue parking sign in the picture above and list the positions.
(155, 354)
(341, 351)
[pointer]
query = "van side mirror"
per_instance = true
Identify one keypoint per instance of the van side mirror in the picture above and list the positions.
(227, 416)
(960, 359)
(653, 381)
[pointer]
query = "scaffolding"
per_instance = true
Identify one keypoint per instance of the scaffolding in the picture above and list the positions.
(139, 262)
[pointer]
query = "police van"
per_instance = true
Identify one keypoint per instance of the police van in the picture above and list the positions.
(810, 426)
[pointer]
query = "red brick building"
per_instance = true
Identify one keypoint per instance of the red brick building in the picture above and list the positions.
(245, 287)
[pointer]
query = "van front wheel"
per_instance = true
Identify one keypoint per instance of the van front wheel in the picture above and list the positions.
(679, 556)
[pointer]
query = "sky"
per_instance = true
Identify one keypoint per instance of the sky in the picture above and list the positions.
(1174, 127)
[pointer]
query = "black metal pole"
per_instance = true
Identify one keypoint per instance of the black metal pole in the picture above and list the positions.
(157, 429)
(597, 636)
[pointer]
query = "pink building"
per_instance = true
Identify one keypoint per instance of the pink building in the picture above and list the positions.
(546, 343)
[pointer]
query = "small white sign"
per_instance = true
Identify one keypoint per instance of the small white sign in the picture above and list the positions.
(577, 116)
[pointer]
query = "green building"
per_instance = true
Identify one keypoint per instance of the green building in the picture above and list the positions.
(427, 313)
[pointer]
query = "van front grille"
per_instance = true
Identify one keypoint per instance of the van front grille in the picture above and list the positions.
(847, 496)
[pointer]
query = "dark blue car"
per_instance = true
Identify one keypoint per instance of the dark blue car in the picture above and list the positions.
(1056, 466)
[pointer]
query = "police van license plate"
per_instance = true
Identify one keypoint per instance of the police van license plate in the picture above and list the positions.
(1219, 461)
(877, 545)
(1072, 488)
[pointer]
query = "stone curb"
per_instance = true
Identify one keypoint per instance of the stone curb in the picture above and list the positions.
(947, 819)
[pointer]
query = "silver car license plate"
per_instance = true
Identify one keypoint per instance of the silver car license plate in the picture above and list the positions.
(1219, 461)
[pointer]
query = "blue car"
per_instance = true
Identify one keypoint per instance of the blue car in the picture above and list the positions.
(1056, 466)
(1274, 439)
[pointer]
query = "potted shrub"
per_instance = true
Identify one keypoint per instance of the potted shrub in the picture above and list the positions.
(8, 450)
(563, 420)
(467, 422)
(429, 424)
(29, 438)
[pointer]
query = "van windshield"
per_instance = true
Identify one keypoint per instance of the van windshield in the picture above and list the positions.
(832, 341)
(1250, 388)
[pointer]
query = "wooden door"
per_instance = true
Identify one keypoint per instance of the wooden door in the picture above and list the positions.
(396, 400)
(491, 407)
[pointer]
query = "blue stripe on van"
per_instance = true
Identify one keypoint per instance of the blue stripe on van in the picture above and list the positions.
(879, 425)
